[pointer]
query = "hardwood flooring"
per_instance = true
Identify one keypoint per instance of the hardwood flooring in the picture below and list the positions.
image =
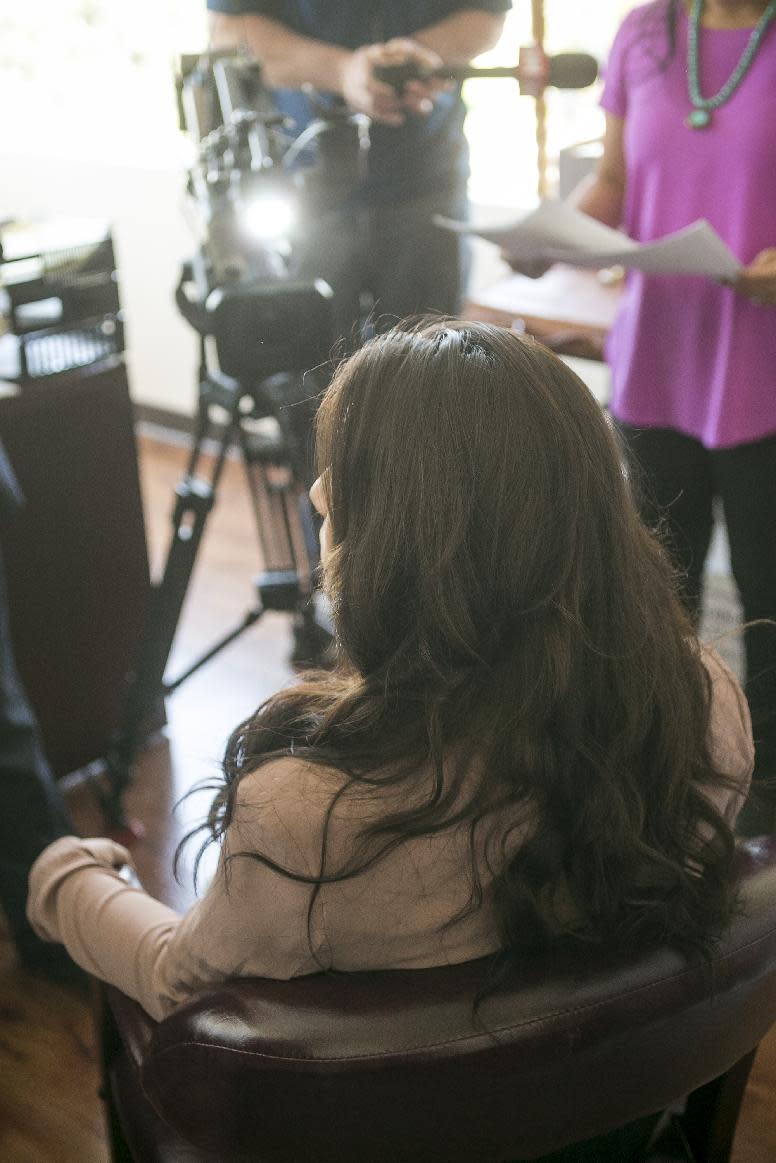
(50, 1111)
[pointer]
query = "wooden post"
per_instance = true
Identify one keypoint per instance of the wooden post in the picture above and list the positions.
(537, 28)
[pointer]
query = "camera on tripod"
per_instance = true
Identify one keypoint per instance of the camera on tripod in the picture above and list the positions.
(256, 209)
(264, 320)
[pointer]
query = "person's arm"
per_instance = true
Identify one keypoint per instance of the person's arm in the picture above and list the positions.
(252, 921)
(464, 35)
(291, 61)
(602, 195)
(288, 60)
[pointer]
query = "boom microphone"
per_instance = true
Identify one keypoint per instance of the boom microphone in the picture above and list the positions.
(534, 71)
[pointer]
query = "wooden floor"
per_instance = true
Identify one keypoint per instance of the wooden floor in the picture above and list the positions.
(50, 1111)
(49, 1107)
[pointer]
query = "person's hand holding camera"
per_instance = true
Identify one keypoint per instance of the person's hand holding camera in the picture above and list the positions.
(366, 93)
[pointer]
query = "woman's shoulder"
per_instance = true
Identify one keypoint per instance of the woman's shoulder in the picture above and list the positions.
(730, 724)
(724, 683)
(644, 32)
(297, 797)
(289, 783)
(644, 14)
(281, 809)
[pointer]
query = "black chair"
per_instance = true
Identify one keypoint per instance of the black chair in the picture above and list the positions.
(393, 1066)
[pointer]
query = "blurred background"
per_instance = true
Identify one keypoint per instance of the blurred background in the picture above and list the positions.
(91, 130)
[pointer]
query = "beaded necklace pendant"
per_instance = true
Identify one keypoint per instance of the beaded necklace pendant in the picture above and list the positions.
(700, 115)
(698, 119)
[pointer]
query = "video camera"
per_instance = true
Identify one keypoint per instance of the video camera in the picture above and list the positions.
(264, 319)
(252, 284)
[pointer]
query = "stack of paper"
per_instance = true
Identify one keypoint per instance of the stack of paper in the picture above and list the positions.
(555, 232)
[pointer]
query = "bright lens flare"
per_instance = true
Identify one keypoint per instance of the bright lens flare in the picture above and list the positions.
(269, 216)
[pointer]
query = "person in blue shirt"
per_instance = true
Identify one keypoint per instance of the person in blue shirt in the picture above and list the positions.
(417, 164)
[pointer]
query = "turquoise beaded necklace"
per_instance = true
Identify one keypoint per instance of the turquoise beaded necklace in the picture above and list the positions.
(700, 116)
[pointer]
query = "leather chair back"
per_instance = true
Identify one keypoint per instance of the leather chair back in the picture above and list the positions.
(396, 1066)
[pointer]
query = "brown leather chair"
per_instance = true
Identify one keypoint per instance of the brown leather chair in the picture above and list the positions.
(392, 1066)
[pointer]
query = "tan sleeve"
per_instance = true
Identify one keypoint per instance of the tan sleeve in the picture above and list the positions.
(730, 735)
(252, 921)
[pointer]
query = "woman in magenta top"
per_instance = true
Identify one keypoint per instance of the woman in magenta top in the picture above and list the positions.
(691, 133)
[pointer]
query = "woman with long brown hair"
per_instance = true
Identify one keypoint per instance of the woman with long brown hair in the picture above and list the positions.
(522, 743)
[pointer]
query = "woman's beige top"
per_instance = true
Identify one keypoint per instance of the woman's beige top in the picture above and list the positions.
(253, 922)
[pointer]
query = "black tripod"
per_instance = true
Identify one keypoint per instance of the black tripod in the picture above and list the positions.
(268, 421)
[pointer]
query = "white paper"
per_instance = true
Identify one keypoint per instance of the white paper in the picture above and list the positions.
(555, 232)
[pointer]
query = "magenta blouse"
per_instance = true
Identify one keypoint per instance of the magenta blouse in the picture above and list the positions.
(686, 353)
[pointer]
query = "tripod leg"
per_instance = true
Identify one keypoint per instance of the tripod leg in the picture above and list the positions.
(287, 539)
(145, 686)
(289, 546)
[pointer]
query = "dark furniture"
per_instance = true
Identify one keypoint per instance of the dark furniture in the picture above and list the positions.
(392, 1066)
(75, 555)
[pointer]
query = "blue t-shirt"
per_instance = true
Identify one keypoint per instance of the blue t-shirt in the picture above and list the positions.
(425, 153)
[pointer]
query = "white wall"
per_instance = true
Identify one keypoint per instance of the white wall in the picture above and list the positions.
(152, 239)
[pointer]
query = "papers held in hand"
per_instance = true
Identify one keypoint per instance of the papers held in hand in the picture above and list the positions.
(555, 232)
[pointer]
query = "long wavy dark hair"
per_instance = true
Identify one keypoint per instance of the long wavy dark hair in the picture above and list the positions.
(501, 610)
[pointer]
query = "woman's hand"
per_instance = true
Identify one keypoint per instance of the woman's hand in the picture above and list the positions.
(758, 281)
(532, 268)
(56, 863)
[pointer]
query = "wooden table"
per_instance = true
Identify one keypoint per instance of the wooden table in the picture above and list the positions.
(573, 305)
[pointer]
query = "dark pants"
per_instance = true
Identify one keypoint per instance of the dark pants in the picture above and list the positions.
(32, 813)
(384, 264)
(676, 481)
(414, 266)
(391, 260)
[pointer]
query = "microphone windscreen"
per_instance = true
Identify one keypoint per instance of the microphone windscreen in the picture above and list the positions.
(572, 70)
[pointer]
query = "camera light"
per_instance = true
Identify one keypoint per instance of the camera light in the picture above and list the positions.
(269, 216)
